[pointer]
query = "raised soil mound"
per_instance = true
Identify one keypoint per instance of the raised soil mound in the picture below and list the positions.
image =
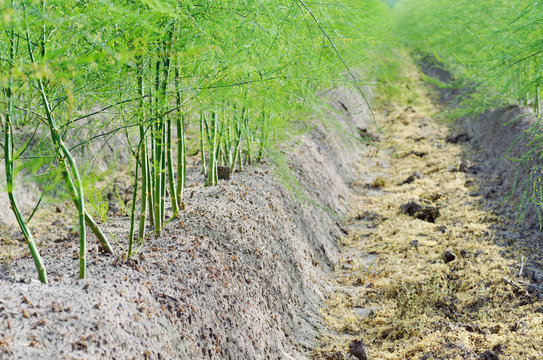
(239, 276)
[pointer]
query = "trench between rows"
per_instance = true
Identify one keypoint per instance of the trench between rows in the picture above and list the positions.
(434, 265)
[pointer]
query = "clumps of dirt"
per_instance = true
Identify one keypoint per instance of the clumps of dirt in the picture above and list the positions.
(420, 154)
(371, 217)
(368, 135)
(358, 349)
(448, 256)
(415, 300)
(223, 172)
(416, 175)
(422, 212)
(489, 355)
(457, 138)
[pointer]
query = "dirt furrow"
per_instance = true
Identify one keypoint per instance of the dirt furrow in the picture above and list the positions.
(427, 270)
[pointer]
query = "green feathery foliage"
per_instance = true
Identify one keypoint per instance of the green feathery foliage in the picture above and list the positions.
(241, 76)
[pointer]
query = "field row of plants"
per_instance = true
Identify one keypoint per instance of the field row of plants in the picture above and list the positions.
(228, 81)
(492, 47)
(494, 51)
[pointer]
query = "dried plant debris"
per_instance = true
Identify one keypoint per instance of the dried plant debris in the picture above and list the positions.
(454, 279)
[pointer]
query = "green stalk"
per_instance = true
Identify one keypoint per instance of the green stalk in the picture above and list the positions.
(144, 160)
(166, 60)
(8, 144)
(202, 143)
(263, 136)
(536, 101)
(163, 177)
(217, 134)
(157, 154)
(73, 167)
(181, 147)
(151, 177)
(173, 192)
(98, 232)
(248, 140)
(237, 148)
(55, 135)
(144, 185)
(9, 163)
(229, 158)
(161, 146)
(88, 218)
(240, 161)
(212, 169)
(133, 206)
(157, 182)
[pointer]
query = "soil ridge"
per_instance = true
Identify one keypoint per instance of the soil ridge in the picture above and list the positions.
(239, 276)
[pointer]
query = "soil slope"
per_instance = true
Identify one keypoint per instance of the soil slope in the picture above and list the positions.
(240, 275)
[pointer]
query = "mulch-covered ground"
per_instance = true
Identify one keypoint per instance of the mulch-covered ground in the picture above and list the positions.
(435, 265)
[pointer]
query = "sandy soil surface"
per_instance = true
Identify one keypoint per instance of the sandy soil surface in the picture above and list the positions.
(435, 265)
(240, 275)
